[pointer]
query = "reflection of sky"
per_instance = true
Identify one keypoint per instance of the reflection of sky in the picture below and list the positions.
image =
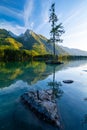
(74, 73)
(68, 72)
(72, 105)
(79, 76)
(19, 85)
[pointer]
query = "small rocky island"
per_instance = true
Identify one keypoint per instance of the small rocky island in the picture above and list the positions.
(42, 103)
(53, 62)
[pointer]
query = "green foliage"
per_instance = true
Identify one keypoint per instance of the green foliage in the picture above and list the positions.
(40, 48)
(9, 43)
(12, 42)
(32, 53)
(9, 54)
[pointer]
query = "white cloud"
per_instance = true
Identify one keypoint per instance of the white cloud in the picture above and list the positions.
(16, 29)
(28, 8)
(75, 22)
(44, 17)
(73, 15)
(31, 25)
(11, 12)
(22, 15)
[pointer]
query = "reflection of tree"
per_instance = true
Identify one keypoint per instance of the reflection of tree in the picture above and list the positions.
(29, 72)
(57, 92)
(85, 119)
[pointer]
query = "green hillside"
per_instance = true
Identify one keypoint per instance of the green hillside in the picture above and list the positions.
(25, 46)
(7, 42)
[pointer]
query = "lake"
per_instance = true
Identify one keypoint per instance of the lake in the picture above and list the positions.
(17, 78)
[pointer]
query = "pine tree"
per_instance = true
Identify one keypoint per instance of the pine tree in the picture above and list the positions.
(56, 29)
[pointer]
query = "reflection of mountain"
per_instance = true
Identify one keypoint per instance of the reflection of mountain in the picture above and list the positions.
(55, 86)
(8, 72)
(29, 72)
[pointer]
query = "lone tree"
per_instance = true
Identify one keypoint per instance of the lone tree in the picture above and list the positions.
(57, 29)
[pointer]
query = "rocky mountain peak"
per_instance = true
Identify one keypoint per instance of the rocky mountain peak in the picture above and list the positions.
(12, 34)
(28, 32)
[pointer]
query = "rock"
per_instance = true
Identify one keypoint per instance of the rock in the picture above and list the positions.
(68, 81)
(53, 62)
(41, 102)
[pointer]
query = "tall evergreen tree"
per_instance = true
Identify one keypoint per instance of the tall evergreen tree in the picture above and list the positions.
(56, 29)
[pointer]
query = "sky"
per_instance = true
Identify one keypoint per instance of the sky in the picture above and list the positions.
(19, 15)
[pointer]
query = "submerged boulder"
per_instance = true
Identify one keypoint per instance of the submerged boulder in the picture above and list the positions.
(41, 102)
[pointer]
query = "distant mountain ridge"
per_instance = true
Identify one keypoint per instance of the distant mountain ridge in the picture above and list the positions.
(31, 41)
(75, 52)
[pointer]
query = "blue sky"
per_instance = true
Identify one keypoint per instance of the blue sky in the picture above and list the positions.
(19, 15)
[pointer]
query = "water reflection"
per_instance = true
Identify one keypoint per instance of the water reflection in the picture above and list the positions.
(57, 92)
(29, 72)
(11, 72)
(16, 117)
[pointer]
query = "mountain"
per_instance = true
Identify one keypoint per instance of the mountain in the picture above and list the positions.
(7, 41)
(38, 43)
(74, 52)
(4, 33)
(12, 34)
(33, 44)
(28, 41)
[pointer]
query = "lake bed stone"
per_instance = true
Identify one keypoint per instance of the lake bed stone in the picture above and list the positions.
(41, 102)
